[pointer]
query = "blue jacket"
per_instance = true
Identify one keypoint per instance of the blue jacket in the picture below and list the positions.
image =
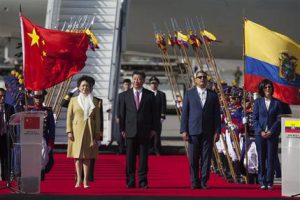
(196, 120)
(263, 117)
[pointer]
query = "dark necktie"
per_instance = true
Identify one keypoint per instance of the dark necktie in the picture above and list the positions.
(137, 99)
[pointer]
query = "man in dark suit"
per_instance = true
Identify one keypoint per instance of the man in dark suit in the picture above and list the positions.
(200, 126)
(160, 105)
(6, 111)
(120, 139)
(137, 124)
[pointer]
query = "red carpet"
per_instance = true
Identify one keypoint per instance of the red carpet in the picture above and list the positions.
(168, 176)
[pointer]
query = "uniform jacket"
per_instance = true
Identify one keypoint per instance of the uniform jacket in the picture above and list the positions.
(161, 104)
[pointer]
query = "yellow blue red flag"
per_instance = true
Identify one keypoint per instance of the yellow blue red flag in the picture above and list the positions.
(271, 55)
(182, 39)
(208, 37)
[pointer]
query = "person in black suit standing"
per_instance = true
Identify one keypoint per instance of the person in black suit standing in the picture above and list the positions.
(137, 125)
(160, 104)
(200, 126)
(6, 111)
(120, 139)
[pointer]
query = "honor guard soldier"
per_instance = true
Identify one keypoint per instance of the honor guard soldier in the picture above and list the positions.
(160, 106)
(49, 131)
(249, 147)
(236, 126)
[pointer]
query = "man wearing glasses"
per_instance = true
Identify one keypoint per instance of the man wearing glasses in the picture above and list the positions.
(200, 126)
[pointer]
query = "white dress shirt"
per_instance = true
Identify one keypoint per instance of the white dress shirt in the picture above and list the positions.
(202, 94)
(267, 102)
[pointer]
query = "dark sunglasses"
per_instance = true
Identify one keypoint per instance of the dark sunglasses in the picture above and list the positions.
(153, 82)
(201, 77)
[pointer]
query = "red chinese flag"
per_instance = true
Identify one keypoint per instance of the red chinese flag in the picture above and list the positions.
(50, 56)
(31, 122)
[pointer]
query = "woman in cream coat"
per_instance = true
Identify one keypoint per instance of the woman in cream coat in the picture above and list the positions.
(83, 128)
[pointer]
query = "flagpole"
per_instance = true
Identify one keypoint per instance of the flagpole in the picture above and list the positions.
(172, 43)
(178, 62)
(23, 52)
(160, 41)
(186, 66)
(182, 48)
(244, 98)
(222, 98)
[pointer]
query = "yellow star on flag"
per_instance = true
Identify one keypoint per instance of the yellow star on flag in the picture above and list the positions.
(34, 37)
(44, 53)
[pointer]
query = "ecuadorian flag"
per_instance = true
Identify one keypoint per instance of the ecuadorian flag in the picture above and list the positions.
(271, 55)
(292, 126)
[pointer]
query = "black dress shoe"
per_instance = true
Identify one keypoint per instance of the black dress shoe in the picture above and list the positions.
(132, 185)
(143, 185)
(204, 186)
(193, 187)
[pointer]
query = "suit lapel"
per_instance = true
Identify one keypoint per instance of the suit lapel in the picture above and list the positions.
(208, 96)
(271, 105)
(263, 104)
(197, 97)
(131, 94)
(143, 98)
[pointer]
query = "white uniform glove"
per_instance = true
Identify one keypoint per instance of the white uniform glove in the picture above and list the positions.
(245, 120)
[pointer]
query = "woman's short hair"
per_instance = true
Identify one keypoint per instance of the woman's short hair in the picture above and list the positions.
(262, 86)
(88, 79)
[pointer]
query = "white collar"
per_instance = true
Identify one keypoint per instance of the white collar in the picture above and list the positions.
(86, 103)
(201, 90)
(135, 90)
(267, 100)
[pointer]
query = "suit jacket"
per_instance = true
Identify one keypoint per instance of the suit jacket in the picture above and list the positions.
(9, 111)
(195, 119)
(263, 117)
(161, 104)
(119, 101)
(137, 122)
